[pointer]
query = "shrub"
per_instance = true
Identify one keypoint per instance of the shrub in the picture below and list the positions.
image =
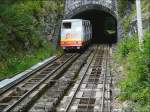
(136, 85)
(24, 25)
(18, 63)
(125, 46)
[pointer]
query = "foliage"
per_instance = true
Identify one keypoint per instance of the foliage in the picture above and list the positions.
(22, 24)
(136, 84)
(23, 31)
(16, 64)
(127, 12)
(23, 60)
(122, 5)
(125, 46)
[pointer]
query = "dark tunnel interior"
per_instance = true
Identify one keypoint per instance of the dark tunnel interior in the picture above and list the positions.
(103, 25)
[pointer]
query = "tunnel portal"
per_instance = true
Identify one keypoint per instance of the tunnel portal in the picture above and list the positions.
(104, 25)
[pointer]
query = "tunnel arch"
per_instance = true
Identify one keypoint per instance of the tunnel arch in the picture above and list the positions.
(101, 18)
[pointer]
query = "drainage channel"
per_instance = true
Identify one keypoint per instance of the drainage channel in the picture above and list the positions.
(91, 91)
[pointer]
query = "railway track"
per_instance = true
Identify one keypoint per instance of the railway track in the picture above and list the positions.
(71, 83)
(91, 91)
(52, 96)
(14, 95)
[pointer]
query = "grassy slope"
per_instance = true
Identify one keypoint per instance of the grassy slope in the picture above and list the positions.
(23, 41)
(126, 20)
(135, 85)
(18, 63)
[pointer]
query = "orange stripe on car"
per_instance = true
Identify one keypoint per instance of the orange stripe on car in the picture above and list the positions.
(72, 43)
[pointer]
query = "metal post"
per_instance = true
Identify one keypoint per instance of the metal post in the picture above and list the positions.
(139, 22)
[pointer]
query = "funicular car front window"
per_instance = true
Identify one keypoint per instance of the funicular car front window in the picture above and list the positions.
(67, 25)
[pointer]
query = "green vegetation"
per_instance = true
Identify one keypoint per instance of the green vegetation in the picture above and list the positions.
(127, 13)
(16, 64)
(122, 5)
(126, 18)
(135, 85)
(23, 33)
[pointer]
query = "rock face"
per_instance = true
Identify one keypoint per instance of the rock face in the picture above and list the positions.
(52, 27)
(128, 17)
(24, 28)
(24, 25)
(52, 22)
(120, 29)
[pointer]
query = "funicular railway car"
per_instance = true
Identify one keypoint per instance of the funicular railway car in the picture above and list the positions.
(75, 34)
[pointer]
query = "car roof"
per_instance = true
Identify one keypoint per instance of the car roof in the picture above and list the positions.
(71, 20)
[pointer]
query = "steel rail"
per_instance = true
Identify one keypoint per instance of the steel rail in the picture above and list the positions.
(9, 108)
(104, 82)
(13, 84)
(80, 82)
(92, 87)
(74, 70)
